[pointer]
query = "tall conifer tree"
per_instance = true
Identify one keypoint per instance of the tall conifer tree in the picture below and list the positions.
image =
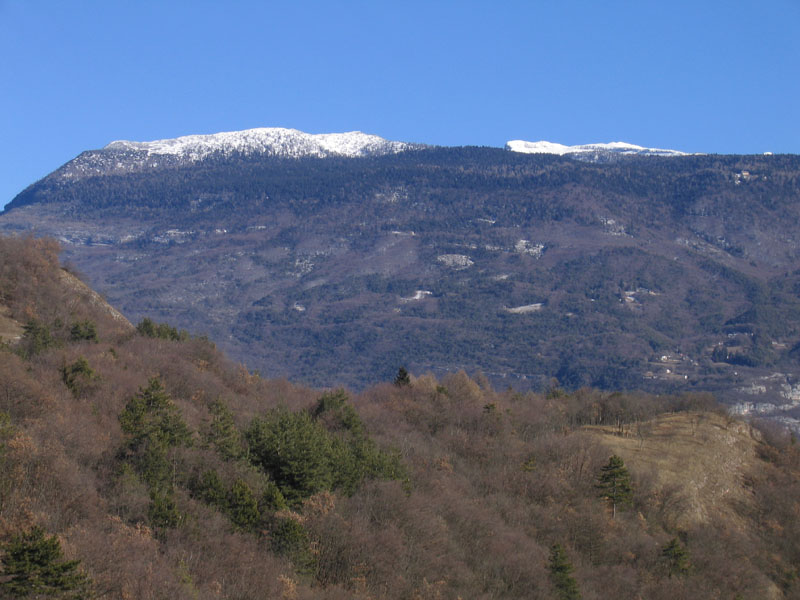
(676, 558)
(614, 484)
(561, 574)
(34, 566)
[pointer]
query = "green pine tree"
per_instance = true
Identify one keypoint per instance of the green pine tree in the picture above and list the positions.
(149, 328)
(34, 565)
(36, 337)
(561, 574)
(211, 489)
(337, 414)
(403, 378)
(243, 506)
(151, 416)
(222, 433)
(83, 331)
(289, 538)
(153, 425)
(163, 511)
(294, 450)
(614, 484)
(78, 377)
(272, 499)
(354, 456)
(676, 558)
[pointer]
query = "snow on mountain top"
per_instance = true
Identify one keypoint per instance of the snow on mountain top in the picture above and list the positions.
(266, 140)
(543, 147)
(291, 143)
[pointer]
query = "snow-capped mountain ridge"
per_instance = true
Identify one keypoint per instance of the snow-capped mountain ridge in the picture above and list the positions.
(273, 141)
(544, 147)
(123, 156)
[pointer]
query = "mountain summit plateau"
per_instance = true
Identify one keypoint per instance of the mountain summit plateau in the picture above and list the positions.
(124, 156)
(271, 141)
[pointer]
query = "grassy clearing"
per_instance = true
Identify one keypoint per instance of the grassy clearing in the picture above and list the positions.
(703, 459)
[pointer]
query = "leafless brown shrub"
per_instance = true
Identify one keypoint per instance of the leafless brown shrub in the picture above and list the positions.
(22, 396)
(608, 581)
(110, 544)
(773, 434)
(341, 548)
(28, 274)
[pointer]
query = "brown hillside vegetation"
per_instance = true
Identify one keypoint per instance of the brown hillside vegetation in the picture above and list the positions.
(170, 472)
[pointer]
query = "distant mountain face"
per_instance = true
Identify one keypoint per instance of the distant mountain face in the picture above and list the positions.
(336, 259)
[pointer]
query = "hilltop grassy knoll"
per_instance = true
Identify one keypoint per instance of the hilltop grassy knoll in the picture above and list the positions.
(709, 457)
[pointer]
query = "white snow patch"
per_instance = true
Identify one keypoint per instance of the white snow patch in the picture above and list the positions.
(525, 247)
(455, 261)
(418, 295)
(791, 392)
(527, 308)
(754, 389)
(612, 227)
(275, 141)
(544, 147)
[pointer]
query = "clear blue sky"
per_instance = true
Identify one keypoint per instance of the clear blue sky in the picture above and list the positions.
(702, 76)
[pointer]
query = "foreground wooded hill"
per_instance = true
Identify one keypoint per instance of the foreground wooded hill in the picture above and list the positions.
(170, 472)
(674, 273)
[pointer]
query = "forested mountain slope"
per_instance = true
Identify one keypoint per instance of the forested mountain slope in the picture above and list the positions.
(170, 472)
(676, 272)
